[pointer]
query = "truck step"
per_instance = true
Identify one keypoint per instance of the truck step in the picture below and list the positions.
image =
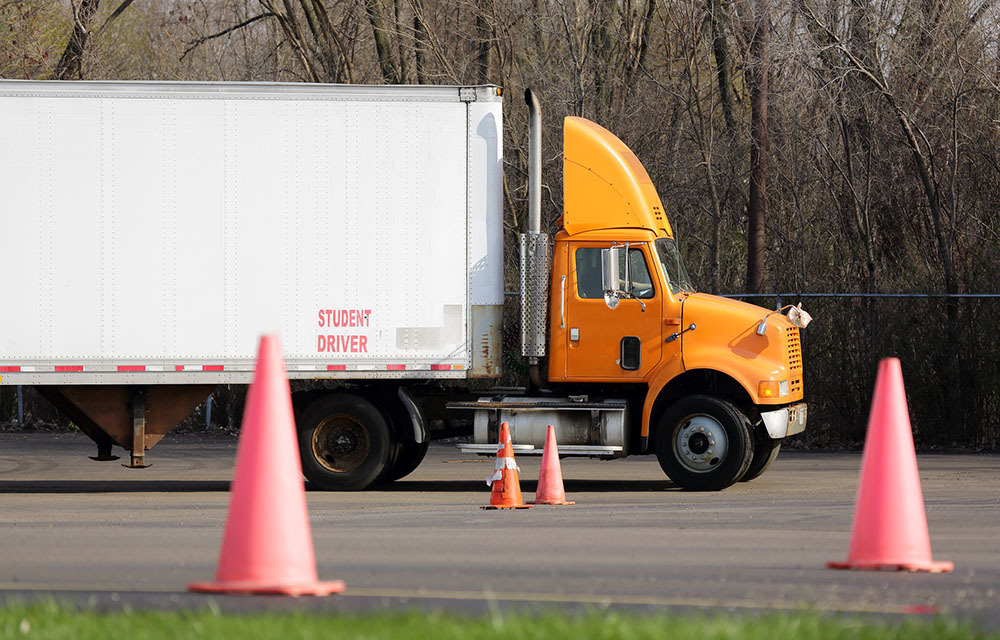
(530, 450)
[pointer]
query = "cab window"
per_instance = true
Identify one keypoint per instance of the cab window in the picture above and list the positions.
(588, 273)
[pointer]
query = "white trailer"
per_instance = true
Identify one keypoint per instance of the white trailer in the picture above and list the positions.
(153, 231)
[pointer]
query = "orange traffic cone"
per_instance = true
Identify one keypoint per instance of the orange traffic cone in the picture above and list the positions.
(550, 483)
(506, 485)
(267, 545)
(890, 526)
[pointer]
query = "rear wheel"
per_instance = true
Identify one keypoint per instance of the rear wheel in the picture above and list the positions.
(703, 443)
(344, 442)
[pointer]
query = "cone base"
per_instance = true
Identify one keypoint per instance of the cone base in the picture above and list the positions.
(929, 566)
(263, 588)
(505, 506)
(554, 502)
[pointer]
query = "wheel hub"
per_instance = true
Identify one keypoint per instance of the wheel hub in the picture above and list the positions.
(700, 443)
(341, 443)
(344, 442)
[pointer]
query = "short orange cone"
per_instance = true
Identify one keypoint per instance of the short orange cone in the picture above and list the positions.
(506, 485)
(267, 545)
(890, 526)
(550, 483)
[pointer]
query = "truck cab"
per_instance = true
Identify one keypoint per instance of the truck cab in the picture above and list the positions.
(710, 385)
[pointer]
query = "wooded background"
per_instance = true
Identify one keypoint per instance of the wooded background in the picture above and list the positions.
(845, 146)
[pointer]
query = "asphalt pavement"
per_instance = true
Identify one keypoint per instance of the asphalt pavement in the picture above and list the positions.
(96, 532)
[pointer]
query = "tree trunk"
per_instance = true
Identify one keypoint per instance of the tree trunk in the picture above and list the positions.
(757, 207)
(421, 41)
(402, 76)
(383, 48)
(720, 49)
(70, 65)
(484, 37)
(602, 48)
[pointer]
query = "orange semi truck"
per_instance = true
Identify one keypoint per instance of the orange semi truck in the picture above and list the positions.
(638, 360)
(157, 229)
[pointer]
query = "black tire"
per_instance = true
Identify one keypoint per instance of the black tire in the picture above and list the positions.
(344, 442)
(408, 457)
(711, 431)
(765, 450)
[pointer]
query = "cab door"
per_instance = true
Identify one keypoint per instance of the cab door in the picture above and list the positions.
(605, 344)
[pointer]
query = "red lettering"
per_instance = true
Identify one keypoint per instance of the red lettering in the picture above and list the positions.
(331, 343)
(344, 317)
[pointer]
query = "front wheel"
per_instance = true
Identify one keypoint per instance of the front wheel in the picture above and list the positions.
(703, 443)
(344, 442)
(765, 450)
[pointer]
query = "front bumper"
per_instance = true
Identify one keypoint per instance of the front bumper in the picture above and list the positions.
(786, 421)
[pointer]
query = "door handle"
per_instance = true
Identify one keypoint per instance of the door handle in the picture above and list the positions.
(562, 305)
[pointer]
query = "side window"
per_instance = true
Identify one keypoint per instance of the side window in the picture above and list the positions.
(642, 283)
(588, 273)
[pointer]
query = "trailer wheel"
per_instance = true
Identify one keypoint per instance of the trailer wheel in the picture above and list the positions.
(344, 442)
(765, 450)
(703, 443)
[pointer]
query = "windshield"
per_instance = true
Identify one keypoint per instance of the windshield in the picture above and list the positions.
(670, 257)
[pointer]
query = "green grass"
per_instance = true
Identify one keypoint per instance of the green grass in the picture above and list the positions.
(58, 621)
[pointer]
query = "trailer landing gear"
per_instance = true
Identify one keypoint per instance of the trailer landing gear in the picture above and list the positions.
(138, 457)
(134, 417)
(104, 452)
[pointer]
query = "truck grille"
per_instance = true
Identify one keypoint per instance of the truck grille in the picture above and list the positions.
(794, 349)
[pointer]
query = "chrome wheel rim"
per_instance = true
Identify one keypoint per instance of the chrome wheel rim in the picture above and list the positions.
(700, 443)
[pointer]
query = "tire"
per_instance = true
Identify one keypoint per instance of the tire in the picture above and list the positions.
(765, 450)
(344, 442)
(712, 431)
(408, 457)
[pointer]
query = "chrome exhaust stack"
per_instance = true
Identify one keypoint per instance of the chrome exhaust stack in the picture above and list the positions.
(534, 250)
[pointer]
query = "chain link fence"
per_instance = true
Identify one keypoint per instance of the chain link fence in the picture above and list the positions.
(949, 348)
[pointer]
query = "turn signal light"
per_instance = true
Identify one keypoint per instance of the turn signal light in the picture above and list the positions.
(772, 388)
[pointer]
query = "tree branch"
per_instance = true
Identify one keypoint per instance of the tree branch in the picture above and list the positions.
(114, 15)
(194, 44)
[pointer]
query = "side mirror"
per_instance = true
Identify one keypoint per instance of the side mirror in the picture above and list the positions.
(609, 276)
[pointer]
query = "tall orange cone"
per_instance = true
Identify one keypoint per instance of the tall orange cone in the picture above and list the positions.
(550, 483)
(267, 545)
(505, 482)
(890, 526)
